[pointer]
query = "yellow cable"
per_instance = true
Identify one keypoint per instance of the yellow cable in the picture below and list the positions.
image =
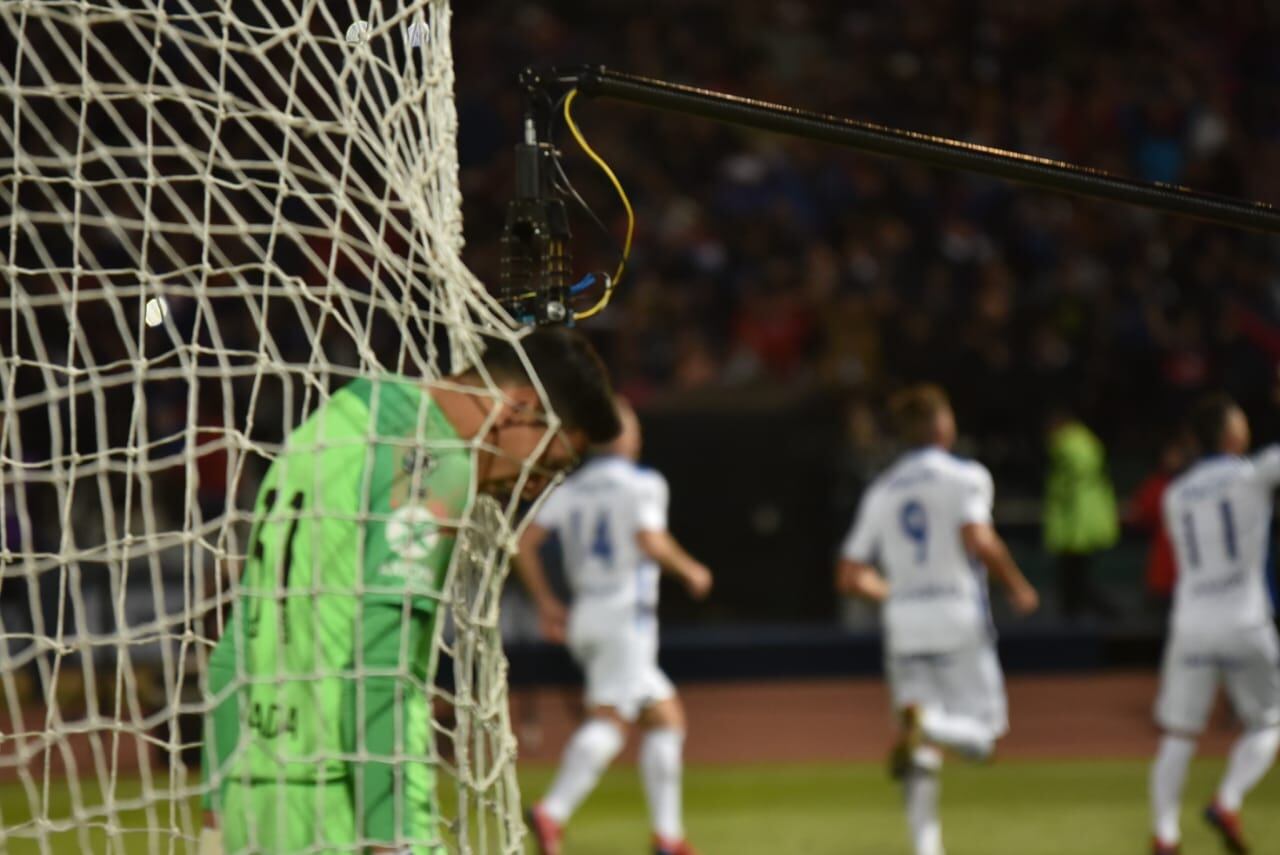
(622, 194)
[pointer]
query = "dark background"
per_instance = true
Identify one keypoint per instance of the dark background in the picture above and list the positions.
(780, 289)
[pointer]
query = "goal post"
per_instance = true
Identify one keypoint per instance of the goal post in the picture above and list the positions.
(212, 217)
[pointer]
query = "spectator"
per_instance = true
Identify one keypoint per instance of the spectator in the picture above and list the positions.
(766, 260)
(1079, 514)
(1146, 513)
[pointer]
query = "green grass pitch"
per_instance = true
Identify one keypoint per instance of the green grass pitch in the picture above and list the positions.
(1027, 808)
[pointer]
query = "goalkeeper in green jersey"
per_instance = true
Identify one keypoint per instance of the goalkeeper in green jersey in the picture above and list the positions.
(319, 734)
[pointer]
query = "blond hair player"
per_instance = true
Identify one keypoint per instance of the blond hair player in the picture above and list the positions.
(922, 537)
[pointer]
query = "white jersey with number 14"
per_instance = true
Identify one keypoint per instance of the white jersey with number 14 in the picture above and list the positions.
(908, 526)
(597, 514)
(1218, 515)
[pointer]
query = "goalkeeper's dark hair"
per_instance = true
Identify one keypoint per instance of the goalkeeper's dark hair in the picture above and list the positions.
(915, 412)
(1209, 419)
(570, 371)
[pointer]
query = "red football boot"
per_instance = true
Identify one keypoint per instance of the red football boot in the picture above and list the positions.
(546, 831)
(1227, 824)
(672, 847)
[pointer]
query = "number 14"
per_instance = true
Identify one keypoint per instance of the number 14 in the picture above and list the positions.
(601, 545)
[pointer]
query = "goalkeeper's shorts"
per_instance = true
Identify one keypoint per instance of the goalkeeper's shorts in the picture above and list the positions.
(282, 818)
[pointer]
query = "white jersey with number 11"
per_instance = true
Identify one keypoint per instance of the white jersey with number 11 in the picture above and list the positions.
(1218, 515)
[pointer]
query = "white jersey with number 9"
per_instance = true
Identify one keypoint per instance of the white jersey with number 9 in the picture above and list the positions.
(908, 526)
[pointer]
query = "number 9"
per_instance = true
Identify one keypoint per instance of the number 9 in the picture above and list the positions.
(915, 525)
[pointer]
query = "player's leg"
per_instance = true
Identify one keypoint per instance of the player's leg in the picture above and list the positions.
(593, 746)
(973, 712)
(1252, 676)
(967, 736)
(1168, 774)
(921, 791)
(913, 689)
(662, 762)
(1251, 757)
(956, 701)
(591, 749)
(1187, 685)
(910, 690)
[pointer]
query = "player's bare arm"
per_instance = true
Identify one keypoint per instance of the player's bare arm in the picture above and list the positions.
(551, 612)
(673, 559)
(984, 543)
(856, 579)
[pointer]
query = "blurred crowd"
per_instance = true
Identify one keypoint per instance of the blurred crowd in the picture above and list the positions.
(762, 261)
(767, 260)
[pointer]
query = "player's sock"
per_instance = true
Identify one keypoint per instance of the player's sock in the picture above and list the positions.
(1168, 773)
(587, 755)
(968, 736)
(922, 787)
(661, 765)
(1251, 757)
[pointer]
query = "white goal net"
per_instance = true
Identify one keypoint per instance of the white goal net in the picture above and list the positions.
(213, 214)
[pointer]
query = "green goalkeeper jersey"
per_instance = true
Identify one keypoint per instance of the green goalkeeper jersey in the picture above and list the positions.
(320, 733)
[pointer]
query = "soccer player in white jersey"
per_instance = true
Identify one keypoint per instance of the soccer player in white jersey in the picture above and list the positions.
(611, 517)
(921, 538)
(1218, 514)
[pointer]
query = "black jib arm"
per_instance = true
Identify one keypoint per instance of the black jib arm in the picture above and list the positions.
(922, 148)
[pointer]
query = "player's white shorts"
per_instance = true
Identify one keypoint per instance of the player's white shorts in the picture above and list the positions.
(966, 681)
(1247, 662)
(619, 659)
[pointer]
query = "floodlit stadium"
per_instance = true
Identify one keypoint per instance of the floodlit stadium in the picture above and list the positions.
(523, 427)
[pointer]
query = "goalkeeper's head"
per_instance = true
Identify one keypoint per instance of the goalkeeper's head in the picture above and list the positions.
(563, 374)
